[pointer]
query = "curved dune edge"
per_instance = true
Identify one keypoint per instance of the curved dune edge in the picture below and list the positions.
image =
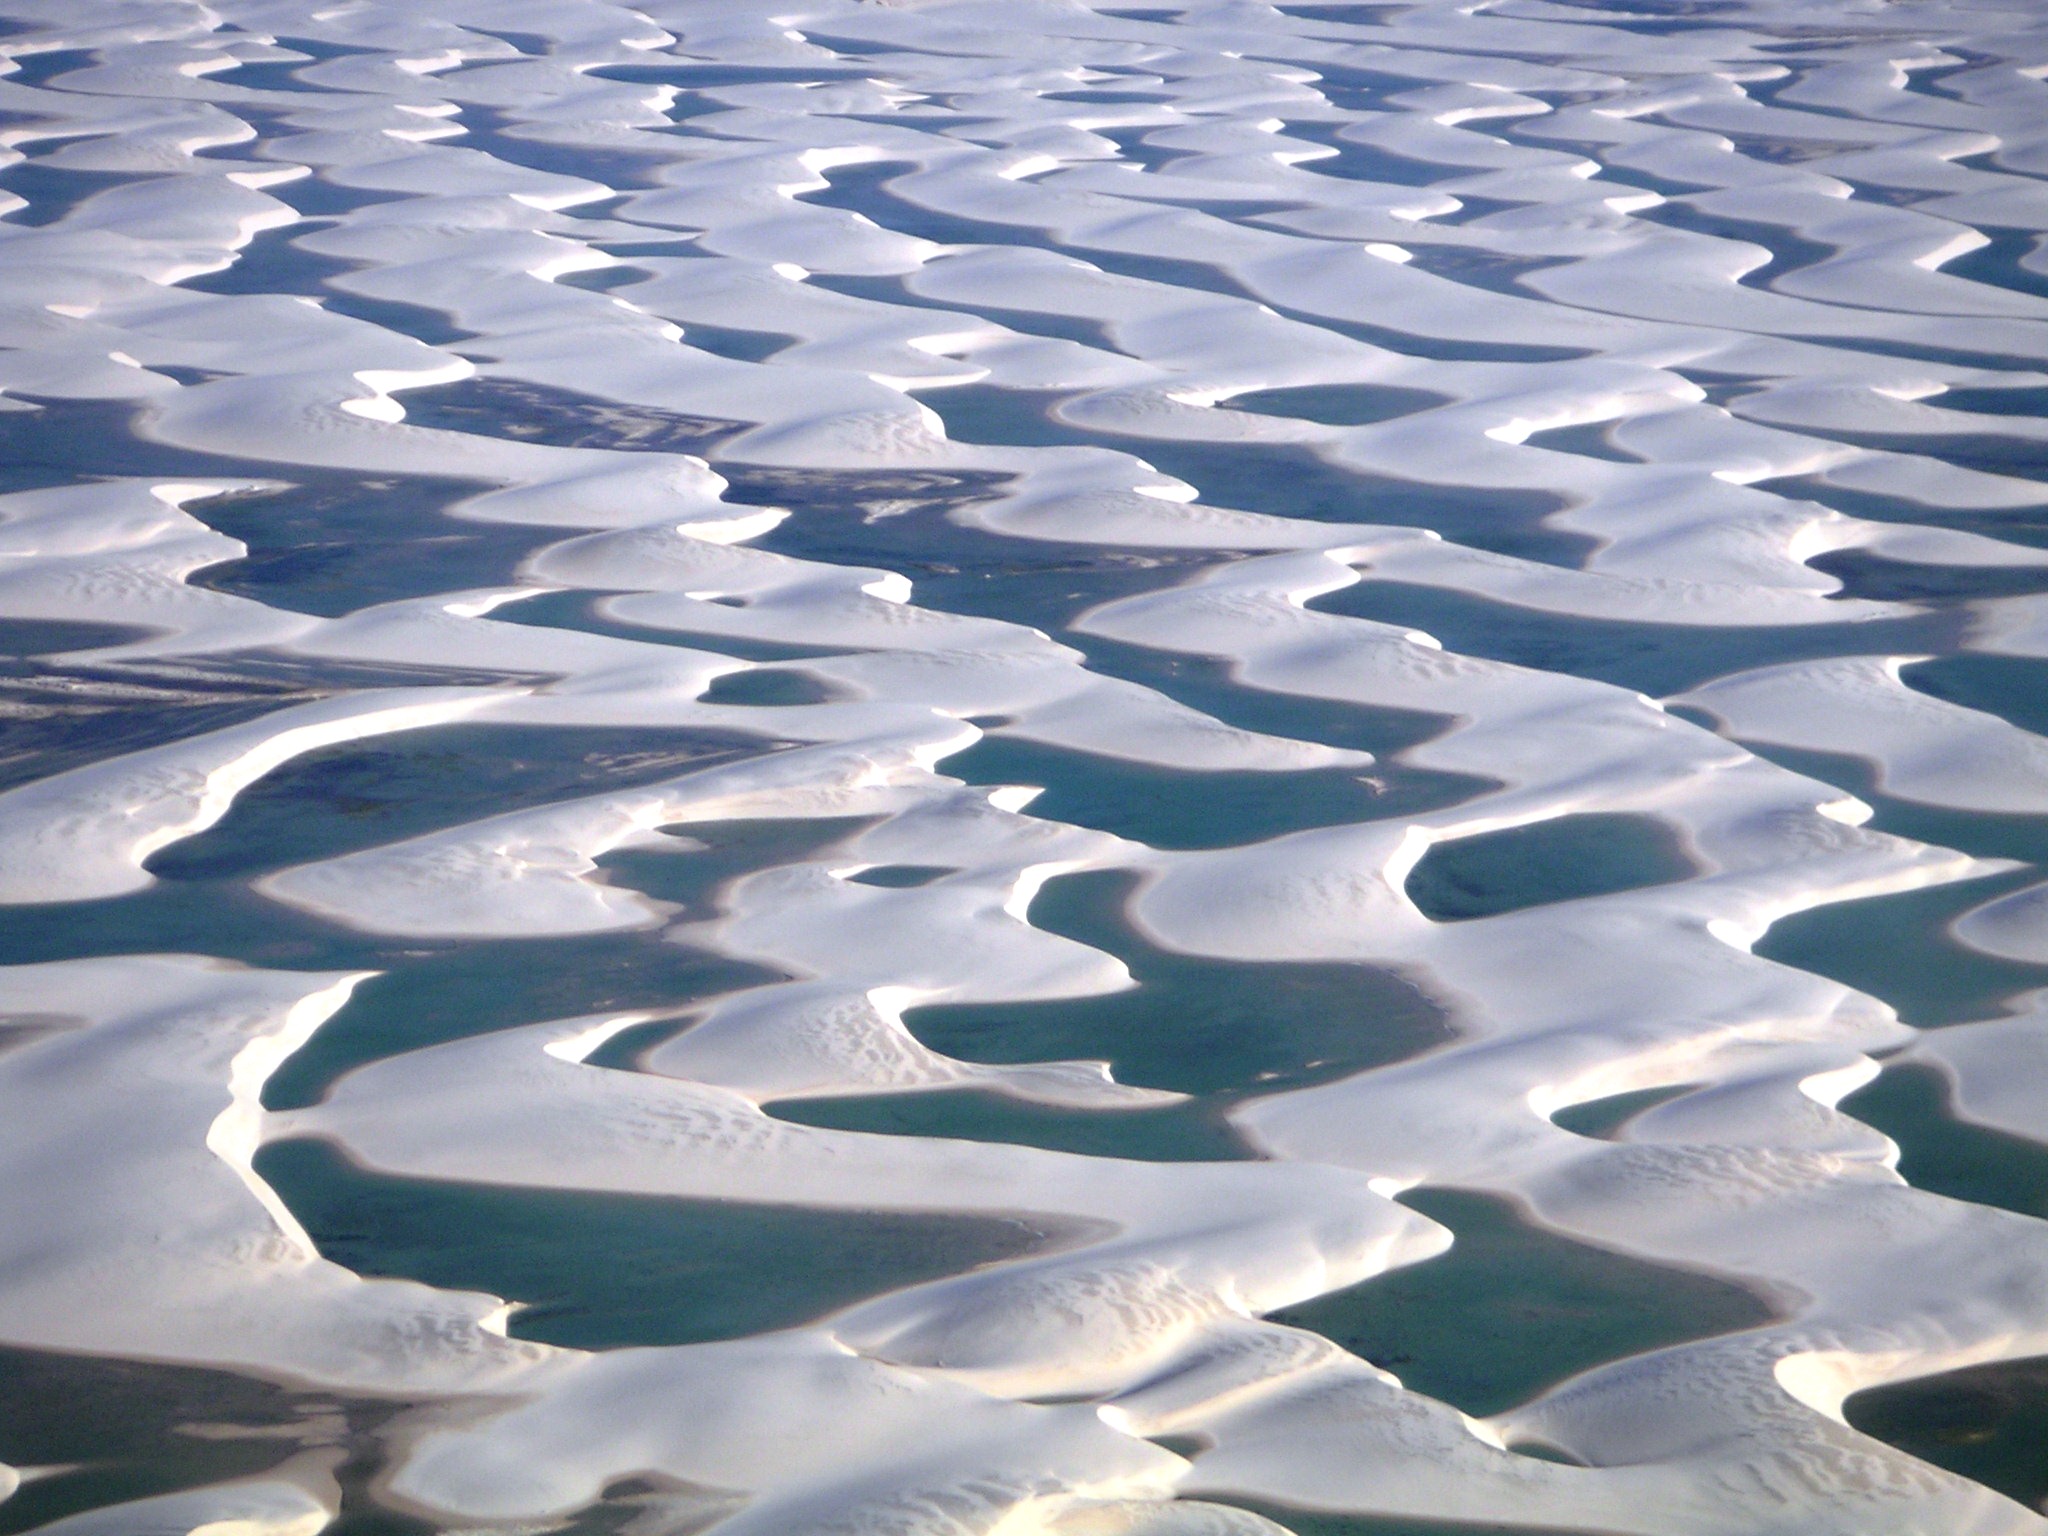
(1681, 375)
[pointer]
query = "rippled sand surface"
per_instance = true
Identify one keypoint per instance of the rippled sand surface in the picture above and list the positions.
(969, 767)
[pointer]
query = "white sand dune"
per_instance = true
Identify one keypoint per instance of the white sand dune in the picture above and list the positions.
(1391, 484)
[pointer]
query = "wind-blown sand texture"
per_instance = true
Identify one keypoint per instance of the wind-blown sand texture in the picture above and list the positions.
(806, 767)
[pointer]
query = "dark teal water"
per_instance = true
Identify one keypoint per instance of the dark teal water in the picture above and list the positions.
(1193, 1025)
(118, 1430)
(560, 418)
(1989, 1423)
(1603, 1119)
(1566, 858)
(1938, 1152)
(672, 1271)
(1898, 948)
(1509, 1311)
(1653, 659)
(380, 790)
(1168, 809)
(1513, 1309)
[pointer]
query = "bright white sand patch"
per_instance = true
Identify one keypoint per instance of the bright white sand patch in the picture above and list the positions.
(1334, 445)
